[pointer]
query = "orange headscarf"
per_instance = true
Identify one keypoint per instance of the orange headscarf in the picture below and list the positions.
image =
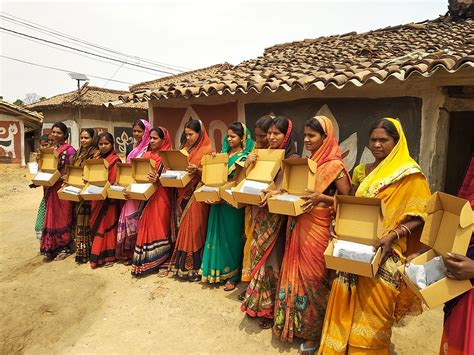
(201, 148)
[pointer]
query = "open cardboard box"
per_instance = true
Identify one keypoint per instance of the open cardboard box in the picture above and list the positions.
(225, 190)
(298, 175)
(141, 167)
(48, 165)
(73, 177)
(448, 229)
(214, 174)
(96, 173)
(264, 170)
(175, 160)
(124, 178)
(359, 220)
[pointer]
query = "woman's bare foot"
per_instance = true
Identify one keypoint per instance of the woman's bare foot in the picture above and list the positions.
(163, 273)
(229, 286)
(266, 323)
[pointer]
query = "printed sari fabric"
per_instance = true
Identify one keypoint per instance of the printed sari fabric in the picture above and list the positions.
(154, 241)
(192, 217)
(57, 227)
(82, 235)
(103, 222)
(458, 330)
(303, 288)
(40, 218)
(127, 229)
(266, 253)
(361, 311)
(225, 230)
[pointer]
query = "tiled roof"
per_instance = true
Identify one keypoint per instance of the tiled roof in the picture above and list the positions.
(393, 52)
(89, 96)
(31, 118)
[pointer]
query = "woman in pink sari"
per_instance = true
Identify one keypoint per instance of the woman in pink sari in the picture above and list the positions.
(128, 222)
(56, 236)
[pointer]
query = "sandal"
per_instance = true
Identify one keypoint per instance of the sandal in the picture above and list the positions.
(302, 350)
(108, 264)
(266, 323)
(229, 286)
(241, 296)
(194, 278)
(62, 255)
(163, 273)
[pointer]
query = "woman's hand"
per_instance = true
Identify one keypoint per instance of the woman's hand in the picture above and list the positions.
(459, 267)
(268, 194)
(311, 200)
(252, 158)
(192, 169)
(386, 244)
(153, 177)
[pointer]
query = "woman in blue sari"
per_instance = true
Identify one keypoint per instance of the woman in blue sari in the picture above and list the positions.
(225, 231)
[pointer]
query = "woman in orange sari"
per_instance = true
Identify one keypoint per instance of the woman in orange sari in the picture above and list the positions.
(303, 288)
(191, 215)
(361, 310)
(105, 213)
(154, 240)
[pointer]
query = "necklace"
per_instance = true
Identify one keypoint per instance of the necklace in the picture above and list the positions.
(237, 152)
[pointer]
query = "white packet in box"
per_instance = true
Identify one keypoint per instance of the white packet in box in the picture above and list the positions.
(426, 274)
(353, 251)
(139, 188)
(94, 190)
(117, 188)
(290, 198)
(253, 187)
(43, 176)
(173, 174)
(72, 190)
(209, 189)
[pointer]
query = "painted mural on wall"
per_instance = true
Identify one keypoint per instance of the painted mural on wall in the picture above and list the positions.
(352, 119)
(123, 139)
(10, 142)
(216, 118)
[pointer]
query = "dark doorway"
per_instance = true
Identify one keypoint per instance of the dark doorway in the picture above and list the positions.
(460, 149)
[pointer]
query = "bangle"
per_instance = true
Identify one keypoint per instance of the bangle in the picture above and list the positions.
(396, 232)
(406, 228)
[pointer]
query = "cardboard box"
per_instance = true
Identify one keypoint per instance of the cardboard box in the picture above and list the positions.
(48, 173)
(238, 176)
(96, 172)
(124, 178)
(299, 175)
(73, 177)
(141, 167)
(175, 160)
(448, 228)
(214, 175)
(359, 220)
(264, 170)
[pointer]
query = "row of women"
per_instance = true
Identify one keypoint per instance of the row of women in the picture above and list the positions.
(279, 257)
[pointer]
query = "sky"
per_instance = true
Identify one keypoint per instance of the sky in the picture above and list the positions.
(181, 35)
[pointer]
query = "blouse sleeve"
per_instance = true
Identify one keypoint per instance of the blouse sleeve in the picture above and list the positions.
(358, 175)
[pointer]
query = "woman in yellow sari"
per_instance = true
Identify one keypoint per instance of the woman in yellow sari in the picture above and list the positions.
(361, 311)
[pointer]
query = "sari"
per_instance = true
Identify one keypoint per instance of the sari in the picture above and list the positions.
(39, 223)
(128, 223)
(303, 288)
(225, 229)
(458, 330)
(266, 251)
(56, 234)
(361, 311)
(154, 240)
(104, 220)
(191, 217)
(82, 235)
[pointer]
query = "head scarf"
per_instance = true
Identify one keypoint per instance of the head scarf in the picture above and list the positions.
(86, 153)
(141, 147)
(201, 147)
(393, 168)
(288, 142)
(165, 145)
(247, 142)
(329, 150)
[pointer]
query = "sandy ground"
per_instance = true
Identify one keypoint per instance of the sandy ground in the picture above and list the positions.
(60, 307)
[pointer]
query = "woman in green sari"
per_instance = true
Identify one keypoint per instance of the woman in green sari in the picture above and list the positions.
(225, 230)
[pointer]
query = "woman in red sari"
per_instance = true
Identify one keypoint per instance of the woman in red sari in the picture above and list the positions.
(266, 249)
(105, 213)
(303, 289)
(191, 215)
(56, 236)
(154, 240)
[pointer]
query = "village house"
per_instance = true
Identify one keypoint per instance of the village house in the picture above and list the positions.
(421, 73)
(83, 109)
(18, 129)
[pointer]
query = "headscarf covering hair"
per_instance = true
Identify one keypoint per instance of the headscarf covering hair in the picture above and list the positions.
(394, 167)
(201, 147)
(247, 142)
(62, 127)
(141, 147)
(197, 126)
(88, 152)
(329, 150)
(288, 142)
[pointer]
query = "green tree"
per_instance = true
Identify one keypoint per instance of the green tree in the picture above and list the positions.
(19, 102)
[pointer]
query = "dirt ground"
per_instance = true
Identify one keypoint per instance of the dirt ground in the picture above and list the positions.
(60, 307)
